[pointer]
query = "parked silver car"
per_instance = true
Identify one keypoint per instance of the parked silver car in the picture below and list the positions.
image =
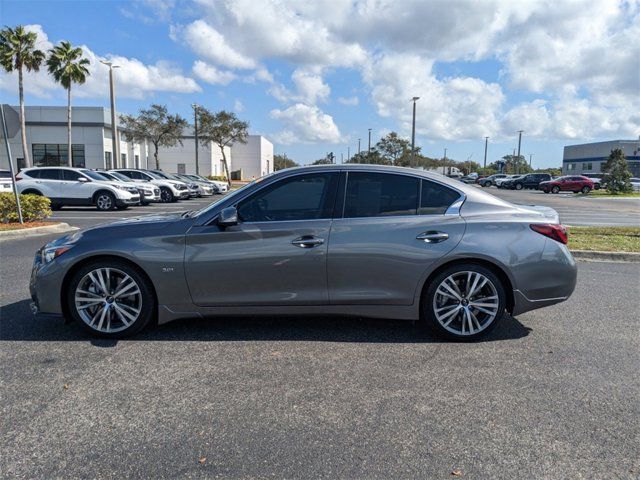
(339, 239)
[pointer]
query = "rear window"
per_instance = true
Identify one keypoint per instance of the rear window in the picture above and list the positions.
(380, 194)
(435, 198)
(50, 174)
(5, 174)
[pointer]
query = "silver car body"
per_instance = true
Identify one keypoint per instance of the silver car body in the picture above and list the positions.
(371, 266)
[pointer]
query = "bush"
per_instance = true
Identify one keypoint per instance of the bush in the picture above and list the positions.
(34, 208)
(219, 178)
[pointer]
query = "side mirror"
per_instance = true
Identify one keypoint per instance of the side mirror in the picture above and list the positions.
(228, 217)
(83, 179)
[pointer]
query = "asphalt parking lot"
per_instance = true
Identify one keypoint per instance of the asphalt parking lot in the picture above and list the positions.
(550, 394)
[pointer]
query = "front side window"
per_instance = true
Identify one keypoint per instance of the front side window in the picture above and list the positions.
(436, 198)
(380, 194)
(71, 175)
(304, 197)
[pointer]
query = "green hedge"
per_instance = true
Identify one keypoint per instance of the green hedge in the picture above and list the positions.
(219, 178)
(34, 208)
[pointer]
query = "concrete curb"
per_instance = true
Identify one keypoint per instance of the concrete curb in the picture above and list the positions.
(35, 231)
(598, 256)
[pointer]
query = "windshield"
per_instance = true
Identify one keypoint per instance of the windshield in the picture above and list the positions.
(160, 175)
(121, 177)
(153, 175)
(95, 175)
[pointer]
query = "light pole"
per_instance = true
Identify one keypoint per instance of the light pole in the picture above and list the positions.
(413, 132)
(519, 143)
(195, 124)
(348, 154)
(530, 155)
(486, 144)
(115, 144)
(444, 166)
(369, 149)
(358, 146)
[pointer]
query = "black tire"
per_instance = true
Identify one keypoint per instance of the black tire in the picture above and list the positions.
(105, 201)
(596, 186)
(147, 298)
(555, 189)
(166, 195)
(31, 192)
(428, 314)
(546, 191)
(585, 189)
(518, 186)
(487, 184)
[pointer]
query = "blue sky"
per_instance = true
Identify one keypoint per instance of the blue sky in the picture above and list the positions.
(314, 77)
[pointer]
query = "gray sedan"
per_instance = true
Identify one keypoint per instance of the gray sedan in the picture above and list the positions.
(333, 240)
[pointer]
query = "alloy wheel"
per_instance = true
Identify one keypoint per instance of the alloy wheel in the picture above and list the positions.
(165, 196)
(466, 303)
(104, 202)
(108, 300)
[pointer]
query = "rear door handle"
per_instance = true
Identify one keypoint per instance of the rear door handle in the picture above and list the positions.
(307, 241)
(433, 237)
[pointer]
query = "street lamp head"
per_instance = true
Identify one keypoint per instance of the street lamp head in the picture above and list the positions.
(415, 99)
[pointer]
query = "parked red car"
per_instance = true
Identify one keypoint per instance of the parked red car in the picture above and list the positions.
(571, 183)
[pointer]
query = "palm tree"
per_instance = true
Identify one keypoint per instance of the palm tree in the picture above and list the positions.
(67, 66)
(17, 52)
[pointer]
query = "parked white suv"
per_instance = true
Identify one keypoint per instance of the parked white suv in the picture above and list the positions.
(148, 191)
(5, 181)
(76, 186)
(170, 190)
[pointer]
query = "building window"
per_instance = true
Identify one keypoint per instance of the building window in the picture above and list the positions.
(123, 158)
(55, 154)
(136, 159)
(571, 166)
(20, 163)
(107, 160)
(182, 168)
(587, 166)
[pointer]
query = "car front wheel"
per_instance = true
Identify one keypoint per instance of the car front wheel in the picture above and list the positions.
(585, 189)
(518, 186)
(555, 189)
(464, 302)
(109, 298)
(166, 196)
(105, 201)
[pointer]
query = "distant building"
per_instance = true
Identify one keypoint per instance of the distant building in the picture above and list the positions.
(589, 157)
(46, 129)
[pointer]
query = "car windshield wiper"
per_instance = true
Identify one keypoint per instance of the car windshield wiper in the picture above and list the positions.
(187, 214)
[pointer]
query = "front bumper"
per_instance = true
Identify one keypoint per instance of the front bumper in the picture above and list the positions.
(44, 286)
(134, 200)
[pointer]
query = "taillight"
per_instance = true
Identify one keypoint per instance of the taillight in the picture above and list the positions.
(18, 177)
(552, 230)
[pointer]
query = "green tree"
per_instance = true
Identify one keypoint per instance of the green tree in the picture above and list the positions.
(223, 129)
(372, 158)
(156, 125)
(616, 173)
(328, 159)
(393, 148)
(18, 52)
(514, 164)
(281, 162)
(67, 66)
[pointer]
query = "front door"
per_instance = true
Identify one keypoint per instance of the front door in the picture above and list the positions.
(393, 228)
(73, 189)
(277, 253)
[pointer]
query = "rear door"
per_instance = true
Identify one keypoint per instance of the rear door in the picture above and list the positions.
(277, 253)
(49, 182)
(393, 227)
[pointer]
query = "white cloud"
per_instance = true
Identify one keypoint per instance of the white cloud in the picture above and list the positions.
(210, 74)
(349, 101)
(238, 106)
(207, 42)
(134, 79)
(310, 88)
(305, 124)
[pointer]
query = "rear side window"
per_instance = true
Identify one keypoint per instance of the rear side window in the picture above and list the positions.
(380, 195)
(127, 173)
(436, 198)
(50, 174)
(304, 197)
(34, 173)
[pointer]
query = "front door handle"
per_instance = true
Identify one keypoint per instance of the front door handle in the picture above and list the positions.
(307, 241)
(433, 237)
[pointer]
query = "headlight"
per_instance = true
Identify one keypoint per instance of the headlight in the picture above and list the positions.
(50, 253)
(120, 187)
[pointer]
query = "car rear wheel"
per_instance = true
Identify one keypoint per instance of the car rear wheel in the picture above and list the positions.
(464, 302)
(518, 186)
(105, 201)
(109, 298)
(585, 189)
(555, 189)
(487, 183)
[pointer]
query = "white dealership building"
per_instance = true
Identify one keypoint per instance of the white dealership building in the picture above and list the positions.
(46, 129)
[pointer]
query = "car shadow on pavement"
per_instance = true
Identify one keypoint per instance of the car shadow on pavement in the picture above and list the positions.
(17, 324)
